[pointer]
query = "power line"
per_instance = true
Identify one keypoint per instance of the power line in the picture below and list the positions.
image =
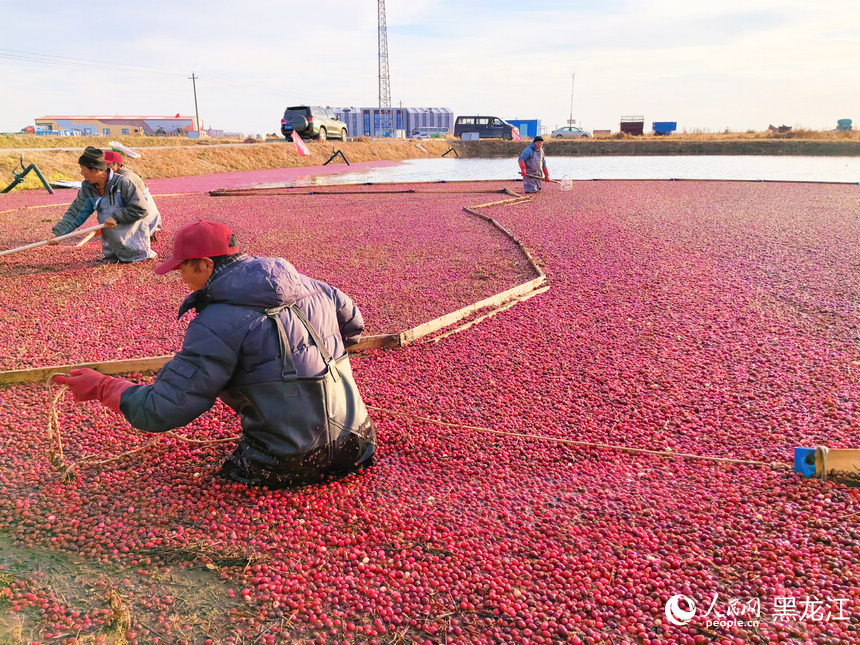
(65, 61)
(80, 63)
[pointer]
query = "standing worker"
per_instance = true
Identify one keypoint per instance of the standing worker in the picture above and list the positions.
(120, 207)
(271, 343)
(153, 219)
(533, 165)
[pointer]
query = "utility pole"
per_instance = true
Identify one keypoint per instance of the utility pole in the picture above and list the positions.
(196, 112)
(570, 121)
(384, 77)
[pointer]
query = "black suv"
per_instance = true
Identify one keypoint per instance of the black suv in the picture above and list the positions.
(312, 122)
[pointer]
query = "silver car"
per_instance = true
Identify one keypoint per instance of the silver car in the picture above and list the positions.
(569, 132)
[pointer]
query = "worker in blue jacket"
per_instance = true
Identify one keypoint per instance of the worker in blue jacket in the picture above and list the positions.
(533, 166)
(260, 326)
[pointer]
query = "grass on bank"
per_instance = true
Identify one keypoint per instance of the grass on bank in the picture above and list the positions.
(34, 141)
(179, 157)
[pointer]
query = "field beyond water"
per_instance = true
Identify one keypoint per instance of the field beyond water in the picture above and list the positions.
(57, 157)
(705, 319)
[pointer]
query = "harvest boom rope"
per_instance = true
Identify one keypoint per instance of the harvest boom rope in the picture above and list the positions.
(67, 204)
(534, 287)
(584, 444)
(498, 302)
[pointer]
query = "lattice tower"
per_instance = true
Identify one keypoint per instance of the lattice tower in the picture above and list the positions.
(385, 116)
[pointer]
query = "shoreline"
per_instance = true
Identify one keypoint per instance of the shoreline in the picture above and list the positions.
(666, 147)
(212, 158)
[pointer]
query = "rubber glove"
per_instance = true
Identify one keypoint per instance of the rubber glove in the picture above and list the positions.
(88, 385)
(546, 174)
(523, 168)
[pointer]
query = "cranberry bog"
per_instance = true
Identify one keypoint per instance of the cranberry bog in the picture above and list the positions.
(713, 324)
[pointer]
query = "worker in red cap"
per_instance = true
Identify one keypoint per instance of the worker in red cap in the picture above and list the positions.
(113, 160)
(533, 165)
(271, 343)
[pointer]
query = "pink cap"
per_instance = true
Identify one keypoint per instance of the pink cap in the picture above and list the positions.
(200, 239)
(113, 157)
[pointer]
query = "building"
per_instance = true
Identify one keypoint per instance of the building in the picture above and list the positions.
(529, 128)
(364, 121)
(112, 126)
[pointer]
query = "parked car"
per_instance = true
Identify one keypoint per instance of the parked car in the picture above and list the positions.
(487, 127)
(312, 122)
(570, 132)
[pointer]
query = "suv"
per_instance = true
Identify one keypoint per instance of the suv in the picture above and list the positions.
(312, 122)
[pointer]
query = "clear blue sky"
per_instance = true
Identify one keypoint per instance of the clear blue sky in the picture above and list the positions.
(737, 64)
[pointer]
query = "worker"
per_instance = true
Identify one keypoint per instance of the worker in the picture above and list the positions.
(533, 165)
(120, 207)
(114, 162)
(263, 338)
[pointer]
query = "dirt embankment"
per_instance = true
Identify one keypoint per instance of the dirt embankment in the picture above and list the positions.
(666, 146)
(175, 157)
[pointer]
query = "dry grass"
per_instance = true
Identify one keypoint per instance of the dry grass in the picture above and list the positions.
(34, 141)
(186, 157)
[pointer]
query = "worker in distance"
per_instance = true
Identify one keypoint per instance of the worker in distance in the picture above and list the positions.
(533, 166)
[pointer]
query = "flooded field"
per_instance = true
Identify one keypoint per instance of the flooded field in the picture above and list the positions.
(710, 326)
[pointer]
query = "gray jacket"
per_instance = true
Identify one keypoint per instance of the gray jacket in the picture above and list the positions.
(129, 240)
(534, 160)
(153, 218)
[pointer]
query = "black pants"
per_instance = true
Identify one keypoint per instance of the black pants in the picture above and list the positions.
(352, 452)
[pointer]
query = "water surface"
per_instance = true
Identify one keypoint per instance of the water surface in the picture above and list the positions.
(749, 168)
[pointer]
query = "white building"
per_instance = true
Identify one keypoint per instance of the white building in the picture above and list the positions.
(364, 121)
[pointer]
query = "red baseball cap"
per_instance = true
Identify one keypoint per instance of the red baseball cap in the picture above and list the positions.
(200, 239)
(113, 157)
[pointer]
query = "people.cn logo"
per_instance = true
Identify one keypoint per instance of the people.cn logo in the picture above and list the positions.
(678, 615)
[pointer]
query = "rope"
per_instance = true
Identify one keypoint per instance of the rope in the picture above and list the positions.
(55, 456)
(53, 420)
(68, 470)
(65, 205)
(588, 444)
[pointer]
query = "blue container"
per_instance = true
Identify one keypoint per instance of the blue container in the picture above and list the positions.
(528, 128)
(664, 127)
(804, 461)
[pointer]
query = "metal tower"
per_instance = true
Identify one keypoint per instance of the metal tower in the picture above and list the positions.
(385, 120)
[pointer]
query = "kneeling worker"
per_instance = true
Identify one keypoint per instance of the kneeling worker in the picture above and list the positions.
(271, 343)
(119, 206)
(114, 162)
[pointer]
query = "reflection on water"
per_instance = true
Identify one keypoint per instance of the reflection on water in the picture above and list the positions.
(762, 168)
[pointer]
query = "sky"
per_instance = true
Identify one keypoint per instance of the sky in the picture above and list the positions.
(710, 66)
